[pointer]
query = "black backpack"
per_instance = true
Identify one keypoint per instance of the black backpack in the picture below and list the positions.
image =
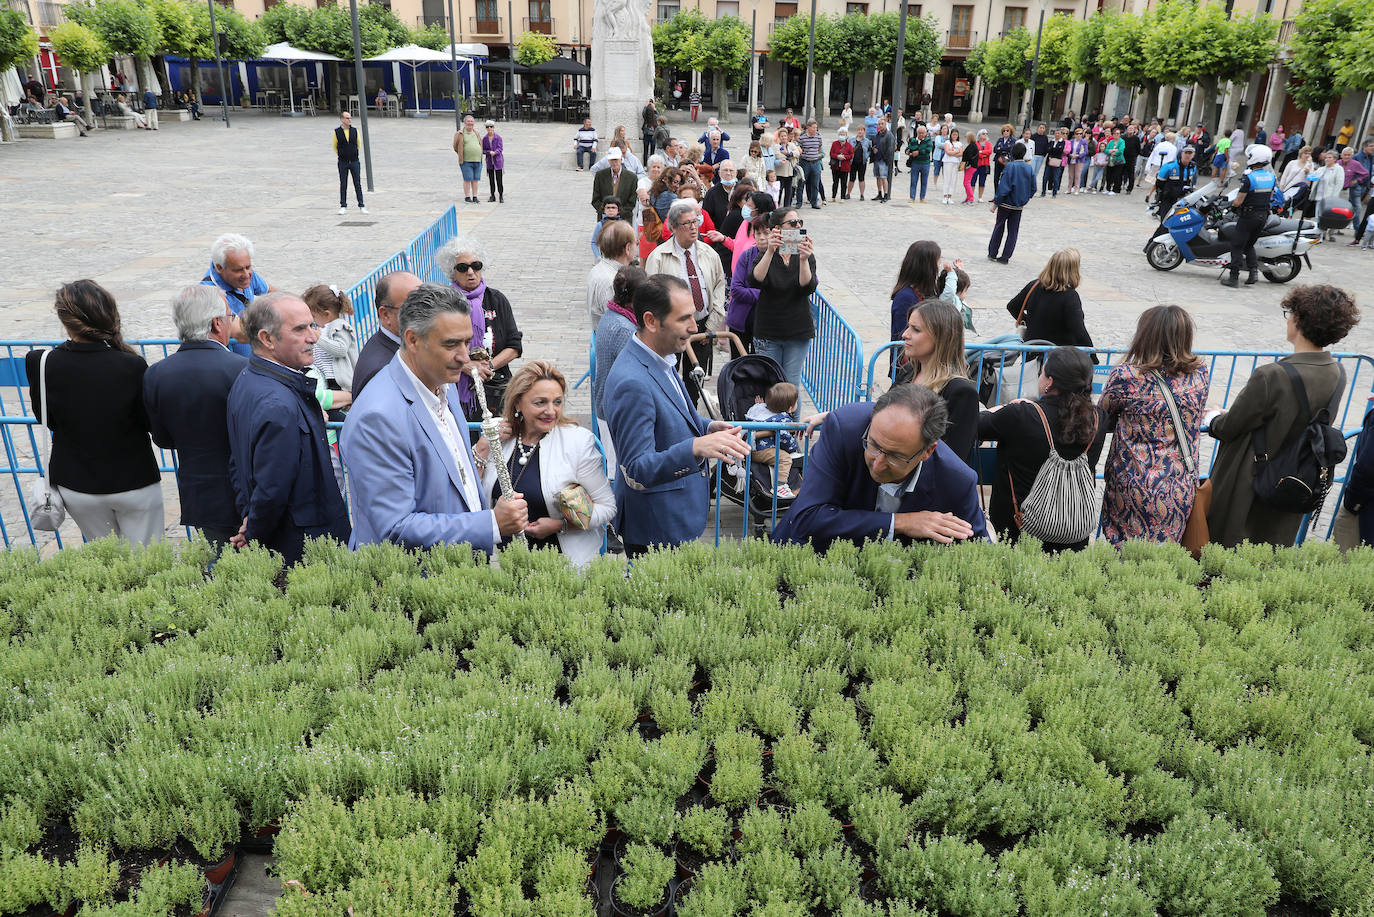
(1297, 479)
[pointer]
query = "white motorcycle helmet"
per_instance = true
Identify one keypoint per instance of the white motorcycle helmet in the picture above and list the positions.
(1257, 154)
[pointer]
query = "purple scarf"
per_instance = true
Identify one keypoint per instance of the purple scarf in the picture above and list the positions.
(466, 394)
(618, 309)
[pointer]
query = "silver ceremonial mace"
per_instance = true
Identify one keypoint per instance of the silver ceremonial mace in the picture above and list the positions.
(491, 430)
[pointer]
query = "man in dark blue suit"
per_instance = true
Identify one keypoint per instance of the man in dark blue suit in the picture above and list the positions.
(279, 461)
(392, 290)
(662, 444)
(186, 395)
(880, 471)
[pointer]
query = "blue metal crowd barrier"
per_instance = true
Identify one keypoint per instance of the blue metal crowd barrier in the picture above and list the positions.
(834, 362)
(417, 257)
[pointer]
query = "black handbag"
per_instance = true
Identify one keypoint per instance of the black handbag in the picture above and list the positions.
(1297, 478)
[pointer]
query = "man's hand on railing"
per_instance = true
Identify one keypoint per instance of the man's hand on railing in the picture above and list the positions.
(814, 422)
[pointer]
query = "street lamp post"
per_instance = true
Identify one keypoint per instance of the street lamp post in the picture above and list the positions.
(219, 64)
(1035, 68)
(453, 53)
(360, 84)
(810, 64)
(898, 84)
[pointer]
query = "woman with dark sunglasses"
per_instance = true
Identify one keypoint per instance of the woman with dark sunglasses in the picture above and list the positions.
(493, 324)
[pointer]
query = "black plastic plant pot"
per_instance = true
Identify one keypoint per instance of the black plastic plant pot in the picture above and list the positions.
(623, 910)
(689, 860)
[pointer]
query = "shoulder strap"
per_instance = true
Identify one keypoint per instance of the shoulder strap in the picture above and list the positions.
(1183, 444)
(1025, 299)
(43, 409)
(1044, 422)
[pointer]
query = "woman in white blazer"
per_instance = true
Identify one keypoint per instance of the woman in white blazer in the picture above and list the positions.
(545, 453)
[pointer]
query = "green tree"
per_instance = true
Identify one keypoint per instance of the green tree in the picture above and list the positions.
(385, 27)
(125, 27)
(81, 49)
(1055, 68)
(1122, 58)
(692, 42)
(1325, 46)
(177, 28)
(17, 42)
(1355, 50)
(533, 48)
(285, 22)
(239, 39)
(788, 43)
(1004, 62)
(922, 52)
(433, 36)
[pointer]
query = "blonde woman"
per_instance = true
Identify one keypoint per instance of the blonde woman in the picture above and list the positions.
(547, 452)
(1049, 305)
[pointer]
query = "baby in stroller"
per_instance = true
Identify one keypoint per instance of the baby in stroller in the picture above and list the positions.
(779, 405)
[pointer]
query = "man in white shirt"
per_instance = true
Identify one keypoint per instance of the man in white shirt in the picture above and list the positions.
(1166, 150)
(694, 262)
(413, 480)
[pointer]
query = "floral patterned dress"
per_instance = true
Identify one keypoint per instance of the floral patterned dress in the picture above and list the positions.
(1149, 491)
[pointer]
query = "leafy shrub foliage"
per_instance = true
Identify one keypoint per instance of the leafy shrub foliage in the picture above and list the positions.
(878, 732)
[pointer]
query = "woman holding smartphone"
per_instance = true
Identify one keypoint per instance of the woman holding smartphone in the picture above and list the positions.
(786, 277)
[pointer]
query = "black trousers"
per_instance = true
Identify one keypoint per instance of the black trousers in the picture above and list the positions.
(346, 169)
(496, 178)
(1130, 173)
(647, 141)
(1247, 233)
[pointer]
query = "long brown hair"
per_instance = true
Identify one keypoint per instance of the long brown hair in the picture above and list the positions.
(87, 310)
(920, 267)
(946, 326)
(1163, 341)
(525, 379)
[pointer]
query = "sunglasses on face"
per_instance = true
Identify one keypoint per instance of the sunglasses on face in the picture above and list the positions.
(795, 224)
(462, 267)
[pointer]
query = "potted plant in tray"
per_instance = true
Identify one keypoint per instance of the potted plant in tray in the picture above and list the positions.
(701, 837)
(642, 890)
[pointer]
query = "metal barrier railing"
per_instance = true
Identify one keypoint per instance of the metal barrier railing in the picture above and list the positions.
(834, 362)
(417, 257)
(1007, 370)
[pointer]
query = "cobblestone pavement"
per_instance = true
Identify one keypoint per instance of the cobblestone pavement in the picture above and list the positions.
(138, 211)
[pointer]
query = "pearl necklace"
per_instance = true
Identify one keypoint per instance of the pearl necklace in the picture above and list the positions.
(525, 455)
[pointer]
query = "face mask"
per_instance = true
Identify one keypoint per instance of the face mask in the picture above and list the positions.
(745, 213)
(729, 183)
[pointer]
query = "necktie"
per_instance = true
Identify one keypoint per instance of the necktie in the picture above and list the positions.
(698, 300)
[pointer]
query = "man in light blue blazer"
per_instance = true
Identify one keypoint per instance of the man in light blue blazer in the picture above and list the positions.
(411, 475)
(662, 444)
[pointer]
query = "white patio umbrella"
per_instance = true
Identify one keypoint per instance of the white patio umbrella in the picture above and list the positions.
(284, 53)
(414, 55)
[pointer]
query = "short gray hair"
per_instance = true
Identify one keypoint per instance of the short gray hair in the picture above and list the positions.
(426, 302)
(927, 407)
(194, 309)
(655, 159)
(447, 256)
(679, 208)
(261, 315)
(229, 242)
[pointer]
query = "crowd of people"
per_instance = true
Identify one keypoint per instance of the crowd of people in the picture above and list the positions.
(686, 242)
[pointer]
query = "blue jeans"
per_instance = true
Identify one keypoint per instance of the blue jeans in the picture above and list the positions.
(935, 170)
(1036, 163)
(472, 171)
(919, 172)
(790, 354)
(812, 171)
(591, 157)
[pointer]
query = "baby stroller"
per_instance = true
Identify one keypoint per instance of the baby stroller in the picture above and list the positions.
(999, 379)
(737, 383)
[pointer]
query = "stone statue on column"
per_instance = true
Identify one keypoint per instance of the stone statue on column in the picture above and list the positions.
(622, 64)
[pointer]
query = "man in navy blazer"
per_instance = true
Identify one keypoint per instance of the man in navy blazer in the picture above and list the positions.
(662, 444)
(411, 473)
(880, 471)
(186, 395)
(392, 290)
(279, 461)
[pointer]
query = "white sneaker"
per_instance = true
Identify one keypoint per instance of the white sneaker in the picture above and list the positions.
(362, 210)
(343, 210)
(785, 493)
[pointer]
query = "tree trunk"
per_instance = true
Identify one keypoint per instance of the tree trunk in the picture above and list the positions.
(160, 71)
(1209, 102)
(819, 92)
(88, 90)
(1047, 105)
(1151, 99)
(195, 79)
(721, 93)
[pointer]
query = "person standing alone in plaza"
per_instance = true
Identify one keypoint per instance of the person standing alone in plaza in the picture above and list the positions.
(346, 148)
(467, 143)
(494, 156)
(1014, 192)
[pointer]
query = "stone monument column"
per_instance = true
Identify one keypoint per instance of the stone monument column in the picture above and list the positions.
(622, 65)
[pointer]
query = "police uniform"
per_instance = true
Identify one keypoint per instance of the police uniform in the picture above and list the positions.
(1172, 182)
(1258, 186)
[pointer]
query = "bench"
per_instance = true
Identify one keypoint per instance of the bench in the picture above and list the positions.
(173, 114)
(569, 159)
(116, 122)
(61, 130)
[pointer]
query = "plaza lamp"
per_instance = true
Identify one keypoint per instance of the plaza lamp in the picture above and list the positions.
(360, 84)
(1035, 67)
(219, 64)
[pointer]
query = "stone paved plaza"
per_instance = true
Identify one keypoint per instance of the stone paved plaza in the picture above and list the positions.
(137, 212)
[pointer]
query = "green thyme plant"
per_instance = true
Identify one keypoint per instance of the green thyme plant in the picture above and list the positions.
(704, 829)
(718, 890)
(91, 877)
(738, 778)
(27, 880)
(811, 829)
(647, 872)
(832, 876)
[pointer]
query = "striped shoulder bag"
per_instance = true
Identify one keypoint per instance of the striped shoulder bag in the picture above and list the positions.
(1061, 507)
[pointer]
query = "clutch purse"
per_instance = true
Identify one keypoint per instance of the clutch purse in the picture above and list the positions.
(576, 506)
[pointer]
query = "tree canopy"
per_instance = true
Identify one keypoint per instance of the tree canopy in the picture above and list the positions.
(1333, 50)
(693, 42)
(125, 27)
(433, 36)
(1085, 65)
(923, 49)
(789, 40)
(79, 47)
(534, 48)
(17, 41)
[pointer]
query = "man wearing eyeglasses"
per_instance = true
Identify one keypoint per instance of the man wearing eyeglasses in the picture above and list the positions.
(880, 471)
(688, 258)
(392, 290)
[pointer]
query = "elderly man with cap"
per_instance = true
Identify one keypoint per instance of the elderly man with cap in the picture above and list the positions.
(615, 181)
(231, 269)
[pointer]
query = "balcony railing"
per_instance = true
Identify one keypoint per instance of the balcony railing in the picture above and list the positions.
(483, 26)
(546, 26)
(960, 40)
(422, 22)
(1286, 29)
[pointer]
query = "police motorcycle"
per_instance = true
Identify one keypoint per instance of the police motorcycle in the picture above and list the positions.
(1199, 228)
